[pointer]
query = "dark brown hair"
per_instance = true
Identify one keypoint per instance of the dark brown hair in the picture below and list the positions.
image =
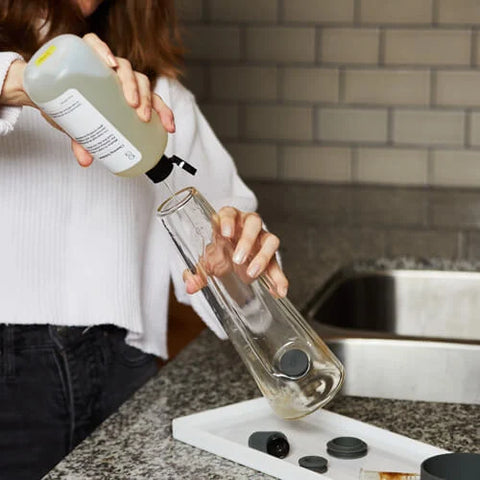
(143, 31)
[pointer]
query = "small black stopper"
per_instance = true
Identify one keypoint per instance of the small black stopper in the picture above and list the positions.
(294, 363)
(314, 463)
(347, 447)
(165, 166)
(273, 443)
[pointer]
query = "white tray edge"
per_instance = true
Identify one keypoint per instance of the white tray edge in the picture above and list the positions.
(188, 429)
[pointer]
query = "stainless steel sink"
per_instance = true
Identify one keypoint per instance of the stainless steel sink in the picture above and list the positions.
(406, 334)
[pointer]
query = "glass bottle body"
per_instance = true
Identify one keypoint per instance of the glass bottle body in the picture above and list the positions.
(291, 365)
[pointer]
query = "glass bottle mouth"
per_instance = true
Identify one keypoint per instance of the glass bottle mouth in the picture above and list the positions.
(176, 201)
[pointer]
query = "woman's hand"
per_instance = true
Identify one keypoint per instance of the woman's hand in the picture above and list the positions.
(136, 88)
(253, 255)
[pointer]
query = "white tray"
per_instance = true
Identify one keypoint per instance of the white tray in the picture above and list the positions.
(224, 431)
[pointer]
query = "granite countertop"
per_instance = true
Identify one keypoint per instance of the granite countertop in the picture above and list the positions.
(136, 442)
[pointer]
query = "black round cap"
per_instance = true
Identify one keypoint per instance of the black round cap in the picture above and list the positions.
(451, 466)
(294, 363)
(273, 443)
(314, 463)
(161, 170)
(347, 447)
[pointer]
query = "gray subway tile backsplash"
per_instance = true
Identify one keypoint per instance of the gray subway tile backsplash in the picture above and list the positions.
(346, 73)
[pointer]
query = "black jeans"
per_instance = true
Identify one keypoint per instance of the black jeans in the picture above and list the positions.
(57, 384)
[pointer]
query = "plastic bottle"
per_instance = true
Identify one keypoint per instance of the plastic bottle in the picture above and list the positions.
(68, 80)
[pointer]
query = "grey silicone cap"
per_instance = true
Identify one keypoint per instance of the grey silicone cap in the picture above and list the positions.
(347, 447)
(314, 463)
(294, 363)
(451, 466)
(273, 443)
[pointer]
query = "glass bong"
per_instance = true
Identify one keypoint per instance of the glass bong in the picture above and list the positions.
(293, 368)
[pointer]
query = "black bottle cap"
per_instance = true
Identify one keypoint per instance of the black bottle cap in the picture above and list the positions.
(347, 447)
(314, 463)
(161, 170)
(294, 363)
(164, 168)
(273, 443)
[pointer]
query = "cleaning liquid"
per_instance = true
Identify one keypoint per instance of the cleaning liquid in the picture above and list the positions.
(70, 83)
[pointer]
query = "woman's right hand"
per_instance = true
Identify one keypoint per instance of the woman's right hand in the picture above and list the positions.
(136, 89)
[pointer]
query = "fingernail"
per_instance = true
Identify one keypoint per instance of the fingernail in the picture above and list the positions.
(172, 126)
(111, 60)
(239, 257)
(282, 291)
(135, 98)
(147, 112)
(253, 270)
(227, 231)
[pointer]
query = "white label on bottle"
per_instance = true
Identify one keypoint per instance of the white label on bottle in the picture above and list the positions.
(86, 125)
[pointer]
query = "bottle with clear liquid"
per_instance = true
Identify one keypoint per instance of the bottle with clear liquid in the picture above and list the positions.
(71, 84)
(292, 366)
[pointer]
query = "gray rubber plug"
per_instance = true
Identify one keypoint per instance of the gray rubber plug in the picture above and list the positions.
(273, 443)
(314, 463)
(347, 447)
(294, 363)
(451, 466)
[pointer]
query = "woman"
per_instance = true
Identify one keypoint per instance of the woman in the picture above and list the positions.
(85, 267)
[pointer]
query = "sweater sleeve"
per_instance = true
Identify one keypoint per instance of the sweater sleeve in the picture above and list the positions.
(8, 114)
(216, 178)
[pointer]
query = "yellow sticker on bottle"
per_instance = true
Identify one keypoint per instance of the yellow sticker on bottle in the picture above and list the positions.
(45, 55)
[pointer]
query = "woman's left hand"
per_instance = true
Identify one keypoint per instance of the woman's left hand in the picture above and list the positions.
(255, 248)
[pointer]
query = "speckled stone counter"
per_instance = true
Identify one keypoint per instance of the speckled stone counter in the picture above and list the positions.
(136, 442)
(322, 228)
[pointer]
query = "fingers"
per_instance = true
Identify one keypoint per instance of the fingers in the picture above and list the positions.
(101, 48)
(276, 275)
(166, 115)
(137, 90)
(254, 244)
(144, 109)
(252, 226)
(193, 282)
(135, 85)
(228, 218)
(129, 82)
(127, 76)
(83, 157)
(216, 258)
(269, 245)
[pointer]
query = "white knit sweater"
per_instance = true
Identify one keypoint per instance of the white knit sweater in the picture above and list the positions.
(81, 246)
